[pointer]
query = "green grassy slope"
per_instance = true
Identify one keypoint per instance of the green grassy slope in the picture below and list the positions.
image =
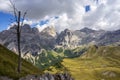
(47, 59)
(8, 65)
(98, 63)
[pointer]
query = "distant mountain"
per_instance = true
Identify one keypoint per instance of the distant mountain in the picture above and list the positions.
(109, 38)
(32, 41)
(87, 30)
(87, 36)
(67, 39)
(49, 31)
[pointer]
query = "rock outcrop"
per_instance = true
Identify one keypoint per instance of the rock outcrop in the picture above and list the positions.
(32, 41)
(47, 76)
(67, 39)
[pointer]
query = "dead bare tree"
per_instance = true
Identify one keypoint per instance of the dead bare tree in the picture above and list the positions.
(19, 19)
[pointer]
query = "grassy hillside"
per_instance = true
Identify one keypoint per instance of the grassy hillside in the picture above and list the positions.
(8, 65)
(98, 63)
(47, 59)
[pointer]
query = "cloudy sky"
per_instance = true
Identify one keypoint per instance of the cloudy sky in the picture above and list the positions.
(72, 14)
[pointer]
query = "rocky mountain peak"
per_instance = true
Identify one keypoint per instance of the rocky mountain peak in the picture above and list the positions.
(32, 40)
(50, 30)
(67, 30)
(12, 27)
(87, 30)
(26, 28)
(67, 39)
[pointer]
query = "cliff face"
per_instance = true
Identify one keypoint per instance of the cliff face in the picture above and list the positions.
(32, 41)
(49, 31)
(67, 39)
(47, 76)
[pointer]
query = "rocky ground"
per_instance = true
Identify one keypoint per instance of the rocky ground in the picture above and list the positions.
(46, 76)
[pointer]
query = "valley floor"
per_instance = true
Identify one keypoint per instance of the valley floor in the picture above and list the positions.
(97, 69)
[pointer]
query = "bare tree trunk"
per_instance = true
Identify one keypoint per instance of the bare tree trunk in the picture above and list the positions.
(18, 41)
(19, 20)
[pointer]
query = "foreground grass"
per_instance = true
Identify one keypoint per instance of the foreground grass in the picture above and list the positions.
(85, 70)
(101, 63)
(8, 65)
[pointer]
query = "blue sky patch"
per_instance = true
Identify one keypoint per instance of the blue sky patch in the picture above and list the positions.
(42, 22)
(5, 20)
(87, 8)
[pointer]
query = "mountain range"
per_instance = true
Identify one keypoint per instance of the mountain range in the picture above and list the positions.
(33, 40)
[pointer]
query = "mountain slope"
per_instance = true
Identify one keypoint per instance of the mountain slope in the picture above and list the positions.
(87, 36)
(67, 39)
(33, 41)
(8, 65)
(109, 38)
(97, 63)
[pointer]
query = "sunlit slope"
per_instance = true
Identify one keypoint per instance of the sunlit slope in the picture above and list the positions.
(98, 63)
(8, 65)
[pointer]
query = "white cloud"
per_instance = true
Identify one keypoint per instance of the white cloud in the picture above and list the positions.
(4, 5)
(40, 28)
(28, 22)
(11, 25)
(103, 15)
(24, 22)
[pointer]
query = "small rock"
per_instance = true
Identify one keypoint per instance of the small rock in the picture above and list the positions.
(109, 74)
